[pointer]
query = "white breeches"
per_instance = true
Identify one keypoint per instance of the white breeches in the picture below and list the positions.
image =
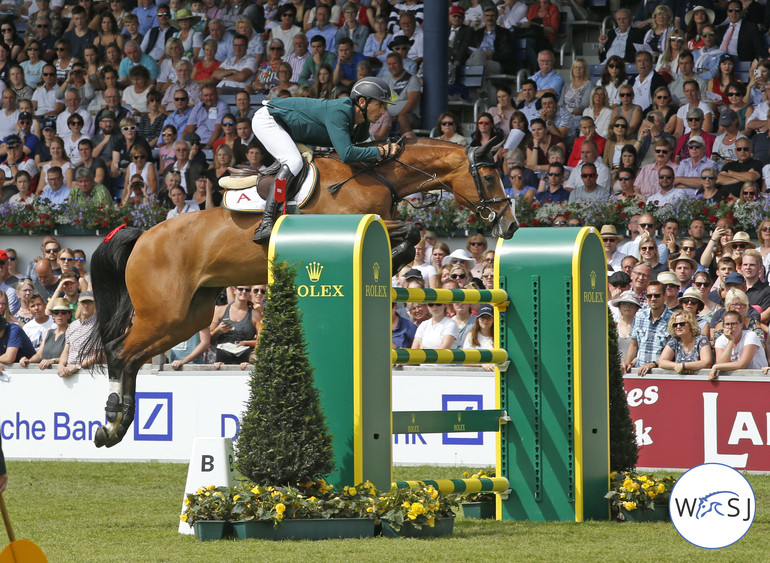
(276, 140)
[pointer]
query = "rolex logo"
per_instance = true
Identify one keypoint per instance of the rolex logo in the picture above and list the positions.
(376, 271)
(593, 279)
(459, 416)
(314, 270)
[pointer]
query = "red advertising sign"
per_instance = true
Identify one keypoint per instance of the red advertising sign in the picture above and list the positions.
(681, 423)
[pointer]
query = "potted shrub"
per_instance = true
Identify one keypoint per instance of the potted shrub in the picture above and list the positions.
(640, 498)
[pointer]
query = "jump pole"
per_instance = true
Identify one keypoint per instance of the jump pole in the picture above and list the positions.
(555, 450)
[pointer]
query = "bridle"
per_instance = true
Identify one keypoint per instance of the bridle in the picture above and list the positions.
(475, 163)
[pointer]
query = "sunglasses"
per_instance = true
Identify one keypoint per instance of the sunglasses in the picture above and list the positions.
(613, 65)
(447, 123)
(700, 284)
(688, 248)
(739, 246)
(66, 259)
(12, 258)
(749, 193)
(648, 248)
(765, 229)
(476, 243)
(661, 97)
(560, 223)
(180, 99)
(139, 157)
(484, 122)
(689, 302)
(733, 94)
(49, 250)
(243, 289)
(43, 26)
(654, 295)
(665, 177)
(646, 225)
(620, 125)
(228, 123)
(626, 94)
(588, 175)
(625, 178)
(680, 39)
(742, 149)
(694, 119)
(129, 128)
(708, 34)
(458, 276)
(661, 151)
(679, 325)
(554, 173)
(48, 74)
(694, 146)
(435, 305)
(75, 122)
(708, 177)
(61, 312)
(733, 10)
(263, 291)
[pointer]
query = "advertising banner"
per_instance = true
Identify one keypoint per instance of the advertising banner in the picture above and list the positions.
(682, 422)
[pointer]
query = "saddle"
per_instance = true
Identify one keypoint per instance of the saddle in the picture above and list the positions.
(247, 188)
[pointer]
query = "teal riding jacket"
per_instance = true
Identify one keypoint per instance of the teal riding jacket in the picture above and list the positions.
(327, 123)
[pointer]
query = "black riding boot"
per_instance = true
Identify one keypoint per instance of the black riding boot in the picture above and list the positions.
(273, 208)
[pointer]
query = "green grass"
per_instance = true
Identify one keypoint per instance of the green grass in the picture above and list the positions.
(129, 512)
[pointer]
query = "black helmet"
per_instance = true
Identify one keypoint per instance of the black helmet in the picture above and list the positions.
(372, 88)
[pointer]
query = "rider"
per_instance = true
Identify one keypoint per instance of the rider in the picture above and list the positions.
(284, 121)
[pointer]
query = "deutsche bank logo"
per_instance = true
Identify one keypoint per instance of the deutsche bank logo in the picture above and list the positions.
(154, 415)
(458, 403)
(712, 506)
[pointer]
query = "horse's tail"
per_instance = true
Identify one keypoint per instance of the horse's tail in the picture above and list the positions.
(108, 277)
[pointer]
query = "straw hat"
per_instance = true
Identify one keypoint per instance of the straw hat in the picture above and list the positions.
(61, 304)
(627, 297)
(609, 231)
(709, 14)
(184, 14)
(692, 293)
(668, 278)
(460, 254)
(741, 238)
(682, 258)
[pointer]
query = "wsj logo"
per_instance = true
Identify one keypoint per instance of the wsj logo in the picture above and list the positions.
(712, 506)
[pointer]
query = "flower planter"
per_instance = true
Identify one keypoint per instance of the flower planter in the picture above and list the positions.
(484, 510)
(442, 527)
(660, 514)
(309, 529)
(207, 530)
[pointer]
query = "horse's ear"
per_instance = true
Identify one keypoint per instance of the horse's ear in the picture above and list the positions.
(492, 145)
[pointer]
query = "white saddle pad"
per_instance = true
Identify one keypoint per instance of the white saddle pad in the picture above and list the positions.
(248, 200)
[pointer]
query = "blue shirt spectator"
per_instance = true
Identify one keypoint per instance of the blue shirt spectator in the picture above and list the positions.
(147, 12)
(134, 56)
(403, 332)
(205, 118)
(178, 120)
(14, 343)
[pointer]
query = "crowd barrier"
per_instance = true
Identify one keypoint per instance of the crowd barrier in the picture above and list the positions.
(554, 450)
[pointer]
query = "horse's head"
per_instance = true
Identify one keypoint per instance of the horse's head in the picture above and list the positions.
(494, 206)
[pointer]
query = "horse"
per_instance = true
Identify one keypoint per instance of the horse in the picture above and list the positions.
(156, 288)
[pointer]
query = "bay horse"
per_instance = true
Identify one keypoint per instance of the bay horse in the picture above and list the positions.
(156, 288)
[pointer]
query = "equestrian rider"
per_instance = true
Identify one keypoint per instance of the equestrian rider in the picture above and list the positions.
(283, 121)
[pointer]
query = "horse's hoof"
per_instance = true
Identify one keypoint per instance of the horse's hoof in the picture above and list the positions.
(102, 438)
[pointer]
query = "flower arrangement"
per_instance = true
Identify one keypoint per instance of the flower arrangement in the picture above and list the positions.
(208, 503)
(90, 215)
(36, 217)
(420, 507)
(447, 215)
(748, 215)
(631, 491)
(478, 497)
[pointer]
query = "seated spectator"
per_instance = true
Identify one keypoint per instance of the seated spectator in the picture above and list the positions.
(402, 330)
(183, 83)
(695, 120)
(647, 181)
(599, 111)
(737, 347)
(320, 56)
(44, 98)
(69, 283)
(235, 326)
(557, 119)
(15, 161)
(347, 62)
(52, 345)
(438, 332)
(351, 29)
(736, 94)
(708, 57)
(154, 42)
(287, 28)
(55, 192)
(376, 47)
(542, 141)
(741, 37)
(142, 164)
(689, 171)
(203, 70)
(667, 192)
(515, 187)
(448, 128)
(588, 189)
(174, 55)
(628, 110)
(121, 150)
(611, 238)
(151, 123)
(71, 360)
(192, 40)
(206, 117)
(649, 331)
(528, 103)
(646, 82)
(256, 45)
(555, 192)
(411, 30)
(23, 185)
(407, 88)
(180, 116)
(745, 169)
(651, 130)
(685, 74)
(224, 159)
(134, 56)
(40, 323)
(24, 131)
(492, 46)
(235, 73)
(75, 125)
(106, 138)
(546, 78)
(14, 343)
(136, 191)
(112, 104)
(181, 205)
(688, 350)
(77, 79)
(135, 96)
(87, 190)
(692, 101)
(400, 45)
(617, 138)
(589, 155)
(221, 35)
(72, 101)
(620, 41)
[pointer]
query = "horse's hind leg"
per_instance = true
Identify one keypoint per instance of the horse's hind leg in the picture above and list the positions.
(403, 237)
(146, 338)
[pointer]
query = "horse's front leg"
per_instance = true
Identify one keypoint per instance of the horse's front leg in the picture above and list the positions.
(403, 237)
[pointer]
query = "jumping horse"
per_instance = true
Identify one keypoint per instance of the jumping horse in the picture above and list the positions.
(156, 288)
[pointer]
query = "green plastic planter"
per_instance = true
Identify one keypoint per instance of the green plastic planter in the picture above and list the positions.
(660, 514)
(207, 530)
(310, 529)
(484, 510)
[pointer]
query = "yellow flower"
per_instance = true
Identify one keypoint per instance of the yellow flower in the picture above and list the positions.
(651, 494)
(431, 521)
(628, 483)
(236, 497)
(187, 502)
(352, 491)
(418, 508)
(183, 517)
(211, 487)
(629, 505)
(465, 474)
(613, 474)
(279, 516)
(647, 485)
(370, 509)
(255, 490)
(434, 494)
(661, 488)
(406, 504)
(643, 478)
(280, 508)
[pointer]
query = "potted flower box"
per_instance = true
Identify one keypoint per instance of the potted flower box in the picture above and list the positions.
(640, 498)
